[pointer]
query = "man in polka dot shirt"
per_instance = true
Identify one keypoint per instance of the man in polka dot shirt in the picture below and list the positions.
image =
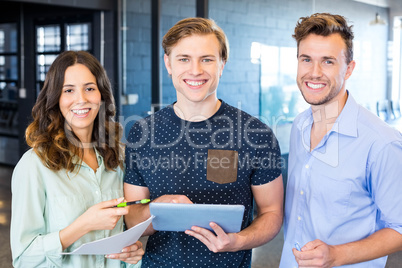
(202, 150)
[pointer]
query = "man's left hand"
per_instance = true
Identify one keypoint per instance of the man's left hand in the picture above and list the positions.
(216, 242)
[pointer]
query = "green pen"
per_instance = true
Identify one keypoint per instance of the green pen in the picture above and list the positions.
(142, 201)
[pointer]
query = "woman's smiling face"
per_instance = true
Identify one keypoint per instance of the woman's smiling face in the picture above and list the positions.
(80, 99)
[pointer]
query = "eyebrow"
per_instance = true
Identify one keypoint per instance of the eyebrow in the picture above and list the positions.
(86, 84)
(325, 57)
(188, 56)
(329, 58)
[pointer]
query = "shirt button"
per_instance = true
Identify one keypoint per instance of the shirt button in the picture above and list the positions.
(299, 218)
(307, 166)
(96, 192)
(301, 192)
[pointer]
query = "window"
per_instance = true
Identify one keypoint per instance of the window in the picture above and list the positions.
(48, 38)
(78, 36)
(8, 61)
(52, 39)
(396, 90)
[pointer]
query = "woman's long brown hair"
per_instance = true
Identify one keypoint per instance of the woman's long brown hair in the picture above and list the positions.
(49, 134)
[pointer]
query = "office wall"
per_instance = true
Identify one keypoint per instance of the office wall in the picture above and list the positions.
(136, 32)
(272, 23)
(269, 22)
(136, 56)
(171, 12)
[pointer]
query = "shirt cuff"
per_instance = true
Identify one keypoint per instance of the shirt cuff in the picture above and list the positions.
(138, 265)
(52, 244)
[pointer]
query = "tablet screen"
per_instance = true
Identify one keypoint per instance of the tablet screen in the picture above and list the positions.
(181, 217)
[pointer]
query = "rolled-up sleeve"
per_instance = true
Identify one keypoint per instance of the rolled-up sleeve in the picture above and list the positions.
(31, 244)
(385, 171)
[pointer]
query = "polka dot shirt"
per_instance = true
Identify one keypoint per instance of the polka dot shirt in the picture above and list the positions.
(169, 156)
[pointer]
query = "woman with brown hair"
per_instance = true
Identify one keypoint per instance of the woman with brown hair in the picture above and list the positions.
(65, 188)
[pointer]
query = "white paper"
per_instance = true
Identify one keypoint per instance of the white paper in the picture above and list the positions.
(113, 244)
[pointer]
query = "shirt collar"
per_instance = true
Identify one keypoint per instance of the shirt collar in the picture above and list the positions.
(306, 119)
(347, 119)
(77, 161)
(345, 124)
(98, 157)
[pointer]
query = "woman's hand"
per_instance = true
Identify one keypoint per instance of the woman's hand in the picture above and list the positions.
(102, 216)
(131, 254)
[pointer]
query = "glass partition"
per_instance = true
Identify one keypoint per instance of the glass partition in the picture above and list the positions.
(280, 97)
